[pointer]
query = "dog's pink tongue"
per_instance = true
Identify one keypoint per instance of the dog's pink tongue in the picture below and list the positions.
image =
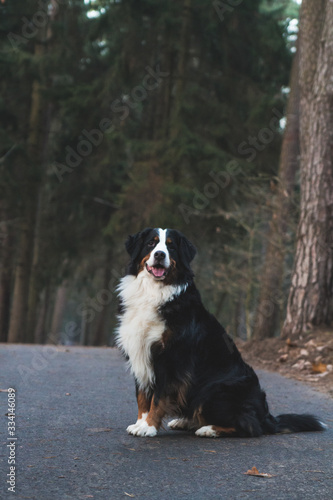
(158, 271)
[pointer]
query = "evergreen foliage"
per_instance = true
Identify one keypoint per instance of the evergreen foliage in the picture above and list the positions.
(154, 113)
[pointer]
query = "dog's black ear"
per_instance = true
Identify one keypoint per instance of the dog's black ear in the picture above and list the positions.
(187, 251)
(134, 242)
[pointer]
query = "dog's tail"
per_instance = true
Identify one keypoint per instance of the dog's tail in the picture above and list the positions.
(292, 422)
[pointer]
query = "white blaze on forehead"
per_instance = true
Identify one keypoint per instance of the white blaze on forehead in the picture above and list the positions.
(160, 247)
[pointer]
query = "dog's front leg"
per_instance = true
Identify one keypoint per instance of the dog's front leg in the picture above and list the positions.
(144, 403)
(149, 426)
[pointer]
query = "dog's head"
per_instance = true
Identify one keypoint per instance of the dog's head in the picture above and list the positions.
(164, 254)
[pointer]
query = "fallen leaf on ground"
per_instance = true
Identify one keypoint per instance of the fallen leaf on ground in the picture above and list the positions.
(290, 343)
(99, 429)
(300, 365)
(129, 495)
(254, 472)
(319, 368)
(311, 343)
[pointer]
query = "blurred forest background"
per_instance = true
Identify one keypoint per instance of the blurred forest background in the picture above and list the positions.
(117, 115)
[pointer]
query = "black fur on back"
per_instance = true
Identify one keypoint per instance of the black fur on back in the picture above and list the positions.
(223, 386)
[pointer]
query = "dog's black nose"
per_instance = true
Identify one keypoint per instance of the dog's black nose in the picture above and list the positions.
(159, 256)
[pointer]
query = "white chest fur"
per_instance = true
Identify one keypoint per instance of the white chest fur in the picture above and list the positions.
(141, 324)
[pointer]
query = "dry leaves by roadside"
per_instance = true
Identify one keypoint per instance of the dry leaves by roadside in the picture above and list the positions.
(319, 367)
(309, 359)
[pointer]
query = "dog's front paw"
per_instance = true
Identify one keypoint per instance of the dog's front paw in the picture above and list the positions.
(141, 428)
(206, 431)
(131, 429)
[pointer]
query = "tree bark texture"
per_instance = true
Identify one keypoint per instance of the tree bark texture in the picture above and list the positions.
(19, 309)
(269, 303)
(54, 336)
(5, 276)
(99, 334)
(40, 333)
(311, 292)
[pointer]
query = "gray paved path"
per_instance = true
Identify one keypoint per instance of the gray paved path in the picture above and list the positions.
(73, 406)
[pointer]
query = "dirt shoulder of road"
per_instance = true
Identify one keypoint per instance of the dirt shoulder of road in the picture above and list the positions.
(309, 360)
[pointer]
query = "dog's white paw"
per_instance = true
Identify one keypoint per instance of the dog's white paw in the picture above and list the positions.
(178, 424)
(206, 431)
(141, 428)
(131, 429)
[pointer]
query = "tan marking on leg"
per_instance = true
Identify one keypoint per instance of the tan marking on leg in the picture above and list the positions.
(157, 412)
(223, 430)
(143, 403)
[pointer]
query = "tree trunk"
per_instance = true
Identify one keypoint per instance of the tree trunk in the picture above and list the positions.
(311, 292)
(34, 284)
(268, 308)
(84, 331)
(18, 312)
(18, 317)
(5, 277)
(54, 336)
(41, 326)
(33, 288)
(99, 335)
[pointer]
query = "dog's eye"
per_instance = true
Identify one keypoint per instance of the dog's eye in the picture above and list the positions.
(151, 243)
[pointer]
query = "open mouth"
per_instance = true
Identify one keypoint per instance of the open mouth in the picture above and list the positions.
(158, 271)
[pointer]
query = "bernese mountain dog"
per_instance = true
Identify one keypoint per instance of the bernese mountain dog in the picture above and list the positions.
(184, 363)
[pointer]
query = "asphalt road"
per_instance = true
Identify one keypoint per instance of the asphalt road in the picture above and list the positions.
(72, 408)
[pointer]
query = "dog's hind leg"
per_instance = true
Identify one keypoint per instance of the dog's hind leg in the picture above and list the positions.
(180, 424)
(215, 431)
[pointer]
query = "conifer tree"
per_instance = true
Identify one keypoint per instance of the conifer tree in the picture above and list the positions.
(311, 291)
